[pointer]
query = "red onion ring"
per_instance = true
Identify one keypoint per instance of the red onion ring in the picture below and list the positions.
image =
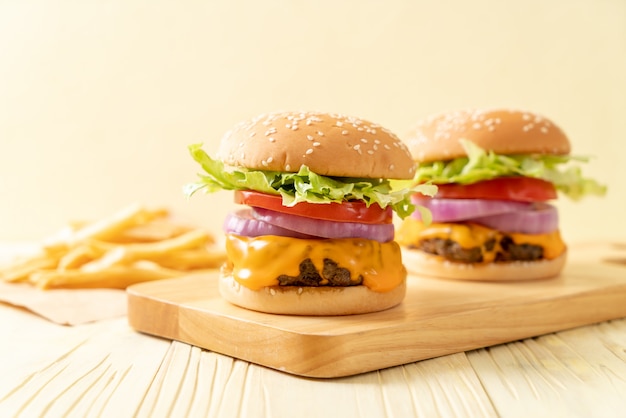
(506, 216)
(325, 229)
(454, 210)
(541, 219)
(244, 223)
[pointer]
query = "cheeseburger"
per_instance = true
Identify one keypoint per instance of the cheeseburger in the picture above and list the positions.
(496, 172)
(314, 234)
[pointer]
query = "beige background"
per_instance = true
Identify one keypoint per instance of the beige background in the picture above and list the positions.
(99, 99)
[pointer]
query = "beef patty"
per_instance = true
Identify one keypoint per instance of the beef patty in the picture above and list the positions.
(508, 250)
(331, 275)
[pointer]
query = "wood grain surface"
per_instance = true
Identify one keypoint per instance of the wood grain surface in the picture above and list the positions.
(106, 369)
(438, 317)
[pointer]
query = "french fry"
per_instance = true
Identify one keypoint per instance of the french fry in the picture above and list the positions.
(21, 268)
(118, 222)
(154, 250)
(202, 258)
(156, 230)
(133, 245)
(77, 256)
(115, 277)
(191, 239)
(115, 256)
(111, 226)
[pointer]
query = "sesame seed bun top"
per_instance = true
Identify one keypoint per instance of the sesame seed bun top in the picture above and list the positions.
(502, 131)
(329, 144)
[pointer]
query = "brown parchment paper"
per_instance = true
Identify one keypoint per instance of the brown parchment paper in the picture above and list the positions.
(66, 306)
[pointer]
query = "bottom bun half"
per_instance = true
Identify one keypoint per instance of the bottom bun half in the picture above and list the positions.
(421, 263)
(303, 300)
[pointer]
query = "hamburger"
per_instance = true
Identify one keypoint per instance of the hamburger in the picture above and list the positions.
(497, 172)
(314, 232)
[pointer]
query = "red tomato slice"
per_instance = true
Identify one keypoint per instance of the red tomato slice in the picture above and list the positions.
(521, 189)
(353, 211)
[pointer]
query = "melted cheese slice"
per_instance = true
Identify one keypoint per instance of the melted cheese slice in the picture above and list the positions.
(470, 235)
(257, 262)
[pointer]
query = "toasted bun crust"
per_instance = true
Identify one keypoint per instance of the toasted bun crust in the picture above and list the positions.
(421, 263)
(295, 300)
(329, 144)
(502, 131)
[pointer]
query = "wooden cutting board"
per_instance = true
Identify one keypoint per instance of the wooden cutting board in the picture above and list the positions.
(438, 317)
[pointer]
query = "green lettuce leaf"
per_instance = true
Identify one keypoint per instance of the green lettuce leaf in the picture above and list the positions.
(482, 165)
(305, 185)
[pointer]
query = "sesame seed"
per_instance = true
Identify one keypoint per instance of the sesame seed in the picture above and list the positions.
(363, 140)
(270, 131)
(375, 147)
(339, 123)
(309, 137)
(387, 147)
(294, 127)
(320, 133)
(288, 126)
(272, 139)
(391, 166)
(376, 141)
(272, 292)
(357, 147)
(288, 167)
(252, 134)
(370, 152)
(309, 151)
(300, 290)
(316, 144)
(270, 159)
(544, 130)
(344, 132)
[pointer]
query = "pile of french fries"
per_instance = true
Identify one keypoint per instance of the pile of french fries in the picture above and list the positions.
(131, 246)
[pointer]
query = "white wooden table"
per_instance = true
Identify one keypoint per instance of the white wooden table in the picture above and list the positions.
(106, 369)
